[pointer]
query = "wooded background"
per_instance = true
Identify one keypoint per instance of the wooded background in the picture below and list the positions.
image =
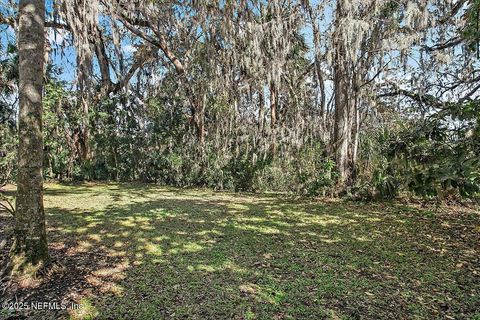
(366, 98)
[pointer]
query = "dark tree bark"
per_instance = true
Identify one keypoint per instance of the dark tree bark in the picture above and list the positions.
(261, 112)
(30, 238)
(273, 107)
(273, 118)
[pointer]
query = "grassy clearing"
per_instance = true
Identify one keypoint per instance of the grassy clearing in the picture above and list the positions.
(132, 251)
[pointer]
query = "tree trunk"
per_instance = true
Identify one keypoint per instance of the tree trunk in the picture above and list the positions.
(85, 152)
(261, 112)
(273, 118)
(30, 238)
(356, 139)
(84, 100)
(273, 106)
(342, 128)
(343, 104)
(318, 69)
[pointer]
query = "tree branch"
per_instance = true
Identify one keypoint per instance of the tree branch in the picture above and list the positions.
(425, 99)
(442, 46)
(12, 22)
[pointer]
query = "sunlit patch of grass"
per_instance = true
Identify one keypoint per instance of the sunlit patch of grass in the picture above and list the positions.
(153, 249)
(260, 229)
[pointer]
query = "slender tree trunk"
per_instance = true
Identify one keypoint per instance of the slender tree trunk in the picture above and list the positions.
(101, 54)
(30, 238)
(343, 101)
(318, 69)
(273, 106)
(261, 111)
(356, 137)
(342, 128)
(273, 118)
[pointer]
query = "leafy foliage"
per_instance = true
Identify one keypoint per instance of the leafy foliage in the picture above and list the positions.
(8, 140)
(436, 158)
(472, 31)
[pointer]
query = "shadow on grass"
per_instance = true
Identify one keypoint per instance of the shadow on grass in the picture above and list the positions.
(140, 251)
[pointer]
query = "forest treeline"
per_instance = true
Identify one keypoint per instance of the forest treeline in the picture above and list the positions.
(367, 98)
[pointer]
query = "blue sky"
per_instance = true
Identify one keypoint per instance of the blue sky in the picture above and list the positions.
(64, 58)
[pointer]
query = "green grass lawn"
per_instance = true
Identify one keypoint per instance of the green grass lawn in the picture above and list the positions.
(134, 251)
